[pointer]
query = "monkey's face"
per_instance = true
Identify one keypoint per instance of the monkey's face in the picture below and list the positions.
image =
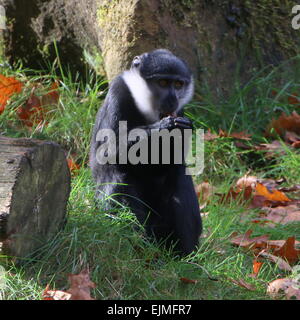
(168, 94)
(160, 83)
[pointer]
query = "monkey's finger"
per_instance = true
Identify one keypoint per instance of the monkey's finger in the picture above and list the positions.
(183, 123)
(182, 120)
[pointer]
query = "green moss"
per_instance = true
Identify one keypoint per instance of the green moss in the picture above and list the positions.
(269, 22)
(182, 10)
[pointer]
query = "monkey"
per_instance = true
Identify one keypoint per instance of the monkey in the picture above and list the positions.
(150, 96)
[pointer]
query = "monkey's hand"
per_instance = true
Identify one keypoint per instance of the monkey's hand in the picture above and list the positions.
(170, 123)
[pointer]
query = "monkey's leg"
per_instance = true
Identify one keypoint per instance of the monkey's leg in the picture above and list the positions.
(184, 213)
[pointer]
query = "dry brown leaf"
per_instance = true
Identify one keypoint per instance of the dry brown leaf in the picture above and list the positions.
(186, 280)
(237, 194)
(283, 265)
(245, 241)
(288, 250)
(208, 136)
(272, 149)
(291, 137)
(237, 135)
(290, 189)
(243, 283)
(293, 99)
(284, 287)
(204, 192)
(285, 123)
(240, 135)
(247, 181)
(280, 214)
(55, 294)
(223, 134)
(81, 286)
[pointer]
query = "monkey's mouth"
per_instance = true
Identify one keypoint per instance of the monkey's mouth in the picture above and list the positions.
(168, 114)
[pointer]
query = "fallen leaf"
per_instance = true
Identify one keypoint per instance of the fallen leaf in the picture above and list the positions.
(270, 196)
(243, 283)
(291, 137)
(290, 189)
(293, 99)
(288, 251)
(280, 214)
(285, 123)
(55, 294)
(208, 136)
(245, 241)
(240, 135)
(237, 135)
(256, 268)
(73, 166)
(247, 181)
(282, 264)
(31, 112)
(237, 194)
(284, 287)
(81, 286)
(186, 280)
(8, 86)
(52, 96)
(274, 149)
(204, 192)
(296, 144)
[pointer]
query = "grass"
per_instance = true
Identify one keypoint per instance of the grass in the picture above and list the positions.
(123, 264)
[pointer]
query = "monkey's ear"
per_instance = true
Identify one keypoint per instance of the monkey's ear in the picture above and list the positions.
(136, 61)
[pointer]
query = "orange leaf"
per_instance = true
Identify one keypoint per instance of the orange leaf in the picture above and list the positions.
(8, 86)
(257, 266)
(274, 195)
(73, 166)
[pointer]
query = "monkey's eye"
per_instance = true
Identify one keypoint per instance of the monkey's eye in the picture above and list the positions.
(178, 84)
(163, 82)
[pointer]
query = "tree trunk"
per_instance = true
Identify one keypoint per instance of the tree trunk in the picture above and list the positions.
(34, 189)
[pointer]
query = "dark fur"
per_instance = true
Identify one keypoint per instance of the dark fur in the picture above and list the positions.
(175, 217)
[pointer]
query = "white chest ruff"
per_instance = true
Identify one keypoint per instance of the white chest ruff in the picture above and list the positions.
(141, 94)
